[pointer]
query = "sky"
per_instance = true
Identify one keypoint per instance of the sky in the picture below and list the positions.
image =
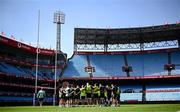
(20, 17)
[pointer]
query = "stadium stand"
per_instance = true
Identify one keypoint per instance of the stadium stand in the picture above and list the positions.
(128, 56)
(107, 65)
(128, 97)
(17, 71)
(10, 69)
(163, 92)
(131, 93)
(148, 71)
(176, 61)
(24, 72)
(142, 64)
(75, 67)
(21, 99)
(110, 65)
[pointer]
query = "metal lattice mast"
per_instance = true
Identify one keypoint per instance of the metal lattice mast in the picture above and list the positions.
(58, 39)
(59, 18)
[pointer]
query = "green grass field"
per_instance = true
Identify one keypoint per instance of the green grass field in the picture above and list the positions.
(123, 108)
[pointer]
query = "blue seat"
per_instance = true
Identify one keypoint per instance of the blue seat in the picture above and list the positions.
(131, 92)
(14, 99)
(163, 95)
(131, 96)
(27, 72)
(21, 99)
(176, 60)
(76, 67)
(107, 65)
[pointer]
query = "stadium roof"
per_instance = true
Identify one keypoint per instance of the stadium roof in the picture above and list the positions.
(127, 35)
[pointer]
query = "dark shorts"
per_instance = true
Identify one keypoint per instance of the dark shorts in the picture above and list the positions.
(116, 96)
(76, 97)
(88, 95)
(66, 98)
(40, 99)
(102, 95)
(109, 97)
(62, 97)
(95, 96)
(82, 97)
(71, 97)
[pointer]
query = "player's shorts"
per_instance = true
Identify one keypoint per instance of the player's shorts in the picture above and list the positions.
(82, 97)
(95, 96)
(40, 99)
(115, 97)
(88, 95)
(102, 95)
(66, 98)
(118, 97)
(76, 97)
(71, 96)
(109, 97)
(62, 97)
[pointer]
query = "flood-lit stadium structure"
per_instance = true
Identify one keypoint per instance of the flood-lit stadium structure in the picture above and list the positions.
(18, 70)
(144, 62)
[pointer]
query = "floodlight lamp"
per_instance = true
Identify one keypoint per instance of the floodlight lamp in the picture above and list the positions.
(59, 17)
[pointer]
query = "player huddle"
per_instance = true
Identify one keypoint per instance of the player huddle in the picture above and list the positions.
(91, 95)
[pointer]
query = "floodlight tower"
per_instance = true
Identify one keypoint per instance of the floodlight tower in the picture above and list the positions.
(59, 18)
